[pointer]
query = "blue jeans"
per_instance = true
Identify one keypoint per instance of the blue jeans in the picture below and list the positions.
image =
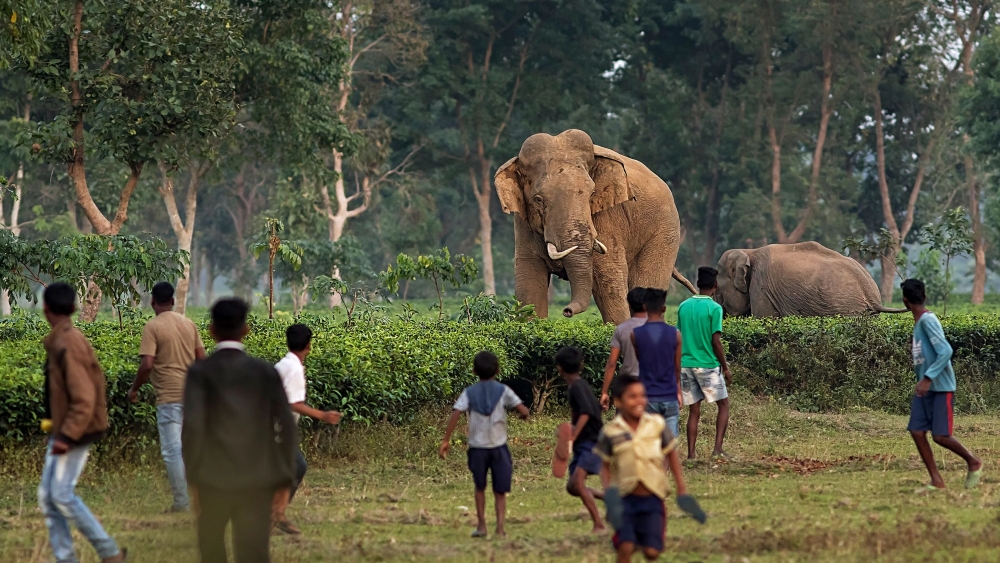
(168, 419)
(669, 410)
(59, 503)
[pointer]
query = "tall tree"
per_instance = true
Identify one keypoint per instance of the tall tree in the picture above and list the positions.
(131, 77)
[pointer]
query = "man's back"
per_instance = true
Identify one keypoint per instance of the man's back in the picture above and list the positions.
(621, 340)
(698, 318)
(173, 341)
(656, 349)
(238, 428)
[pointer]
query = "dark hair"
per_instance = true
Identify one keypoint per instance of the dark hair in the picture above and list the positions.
(655, 300)
(707, 277)
(163, 292)
(913, 291)
(623, 382)
(60, 297)
(297, 337)
(229, 316)
(486, 365)
(570, 359)
(636, 297)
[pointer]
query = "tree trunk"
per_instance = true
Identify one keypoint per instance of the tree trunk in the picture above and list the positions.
(183, 229)
(482, 187)
(978, 241)
(209, 281)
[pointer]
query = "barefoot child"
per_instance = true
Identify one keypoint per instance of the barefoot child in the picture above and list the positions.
(486, 404)
(586, 420)
(931, 408)
(637, 448)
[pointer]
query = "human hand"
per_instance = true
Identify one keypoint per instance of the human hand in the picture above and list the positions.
(923, 386)
(332, 417)
(728, 375)
(59, 447)
(444, 449)
(605, 401)
(133, 395)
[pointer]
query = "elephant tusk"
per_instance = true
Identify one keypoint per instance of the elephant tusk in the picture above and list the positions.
(555, 254)
(599, 247)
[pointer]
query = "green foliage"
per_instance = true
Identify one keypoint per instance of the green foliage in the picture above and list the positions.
(392, 369)
(492, 309)
(927, 268)
(120, 265)
(23, 24)
(289, 253)
(437, 268)
(951, 236)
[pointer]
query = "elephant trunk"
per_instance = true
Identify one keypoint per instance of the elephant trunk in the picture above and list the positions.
(580, 272)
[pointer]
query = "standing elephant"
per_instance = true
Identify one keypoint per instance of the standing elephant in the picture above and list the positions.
(804, 279)
(602, 221)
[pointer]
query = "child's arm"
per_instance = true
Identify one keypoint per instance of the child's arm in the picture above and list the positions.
(329, 417)
(522, 412)
(446, 442)
(609, 374)
(673, 463)
(605, 475)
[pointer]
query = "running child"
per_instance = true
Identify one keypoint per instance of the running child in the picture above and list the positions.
(637, 449)
(586, 422)
(931, 409)
(486, 405)
(658, 348)
(292, 370)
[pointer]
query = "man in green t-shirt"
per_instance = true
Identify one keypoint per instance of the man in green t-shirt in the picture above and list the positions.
(704, 371)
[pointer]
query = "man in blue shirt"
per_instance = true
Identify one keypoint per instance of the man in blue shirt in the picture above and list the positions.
(931, 409)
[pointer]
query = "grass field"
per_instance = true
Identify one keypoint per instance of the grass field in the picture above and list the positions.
(836, 487)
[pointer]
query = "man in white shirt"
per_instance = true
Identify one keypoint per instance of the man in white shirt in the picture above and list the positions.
(293, 377)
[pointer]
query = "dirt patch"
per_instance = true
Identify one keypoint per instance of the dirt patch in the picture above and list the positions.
(806, 466)
(420, 517)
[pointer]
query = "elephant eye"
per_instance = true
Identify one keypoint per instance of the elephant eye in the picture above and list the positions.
(538, 198)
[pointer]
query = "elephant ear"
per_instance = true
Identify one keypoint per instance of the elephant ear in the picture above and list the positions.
(741, 272)
(509, 189)
(611, 185)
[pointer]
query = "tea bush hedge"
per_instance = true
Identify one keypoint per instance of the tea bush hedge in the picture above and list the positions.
(390, 370)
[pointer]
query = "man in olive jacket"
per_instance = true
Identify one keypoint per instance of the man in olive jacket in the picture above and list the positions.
(238, 441)
(75, 404)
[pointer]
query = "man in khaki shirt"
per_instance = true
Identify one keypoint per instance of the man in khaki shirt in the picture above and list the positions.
(170, 344)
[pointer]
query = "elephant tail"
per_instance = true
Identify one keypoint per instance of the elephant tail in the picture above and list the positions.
(684, 281)
(883, 309)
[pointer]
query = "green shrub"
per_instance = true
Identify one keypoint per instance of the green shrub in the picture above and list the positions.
(391, 370)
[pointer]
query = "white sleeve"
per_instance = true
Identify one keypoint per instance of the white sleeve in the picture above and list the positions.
(510, 398)
(462, 404)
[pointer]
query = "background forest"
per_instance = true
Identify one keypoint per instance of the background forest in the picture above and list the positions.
(372, 128)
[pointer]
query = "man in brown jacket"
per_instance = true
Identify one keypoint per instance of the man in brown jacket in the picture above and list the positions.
(75, 402)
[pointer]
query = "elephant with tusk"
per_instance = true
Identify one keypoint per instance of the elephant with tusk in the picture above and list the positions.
(598, 219)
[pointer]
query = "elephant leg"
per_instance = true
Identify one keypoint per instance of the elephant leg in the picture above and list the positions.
(531, 273)
(611, 285)
(653, 266)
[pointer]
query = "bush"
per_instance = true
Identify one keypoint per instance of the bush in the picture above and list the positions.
(389, 371)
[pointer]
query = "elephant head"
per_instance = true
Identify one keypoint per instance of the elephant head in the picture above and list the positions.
(556, 184)
(734, 282)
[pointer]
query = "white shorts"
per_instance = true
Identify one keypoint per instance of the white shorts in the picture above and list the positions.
(700, 384)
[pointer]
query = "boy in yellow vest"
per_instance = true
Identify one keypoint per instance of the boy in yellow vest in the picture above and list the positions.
(637, 448)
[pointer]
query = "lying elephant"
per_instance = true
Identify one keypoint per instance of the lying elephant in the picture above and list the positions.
(591, 216)
(804, 279)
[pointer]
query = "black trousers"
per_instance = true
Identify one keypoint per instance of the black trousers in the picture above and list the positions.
(250, 512)
(300, 472)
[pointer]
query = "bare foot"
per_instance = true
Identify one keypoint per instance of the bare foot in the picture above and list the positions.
(500, 534)
(599, 530)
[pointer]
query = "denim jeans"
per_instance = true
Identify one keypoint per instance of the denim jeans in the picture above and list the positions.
(59, 503)
(168, 419)
(669, 410)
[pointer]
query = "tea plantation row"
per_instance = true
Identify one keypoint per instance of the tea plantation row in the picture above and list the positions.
(391, 370)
